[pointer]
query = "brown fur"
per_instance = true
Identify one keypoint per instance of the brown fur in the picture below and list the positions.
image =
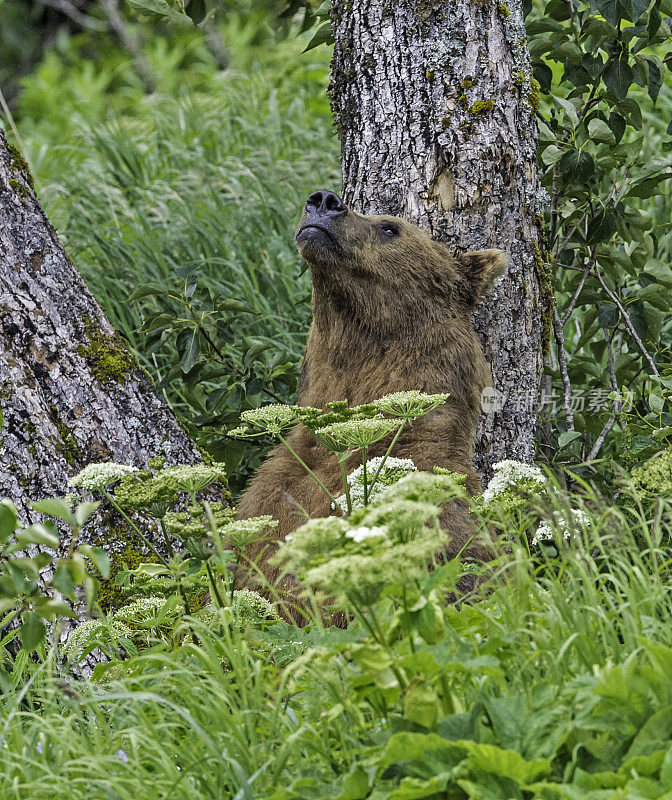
(391, 313)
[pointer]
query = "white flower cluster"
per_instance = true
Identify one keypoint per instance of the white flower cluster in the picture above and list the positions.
(95, 477)
(393, 471)
(511, 474)
(139, 610)
(242, 532)
(410, 405)
(94, 633)
(563, 526)
(357, 433)
(362, 533)
(270, 419)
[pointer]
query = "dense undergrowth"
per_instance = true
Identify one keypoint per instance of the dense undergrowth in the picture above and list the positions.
(550, 679)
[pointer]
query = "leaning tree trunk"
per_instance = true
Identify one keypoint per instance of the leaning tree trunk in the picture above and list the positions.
(71, 393)
(435, 109)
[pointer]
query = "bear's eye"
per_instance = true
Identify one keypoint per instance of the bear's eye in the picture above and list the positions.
(389, 228)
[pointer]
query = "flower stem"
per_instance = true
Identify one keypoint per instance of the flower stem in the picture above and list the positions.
(346, 486)
(213, 584)
(364, 481)
(308, 469)
(389, 450)
(136, 529)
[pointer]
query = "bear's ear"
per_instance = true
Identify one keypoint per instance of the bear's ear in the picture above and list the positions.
(479, 270)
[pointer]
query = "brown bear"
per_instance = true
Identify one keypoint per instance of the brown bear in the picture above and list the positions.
(391, 312)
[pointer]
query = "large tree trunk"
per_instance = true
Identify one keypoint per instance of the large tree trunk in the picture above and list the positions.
(71, 393)
(435, 110)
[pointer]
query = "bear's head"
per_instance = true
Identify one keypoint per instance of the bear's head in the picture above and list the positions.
(386, 269)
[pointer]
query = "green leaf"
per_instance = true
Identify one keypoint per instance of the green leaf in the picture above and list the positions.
(566, 437)
(323, 35)
(231, 304)
(189, 346)
(655, 79)
(84, 511)
(355, 785)
(62, 580)
(148, 289)
(618, 76)
(599, 131)
(38, 534)
(155, 6)
(421, 705)
(98, 557)
(570, 111)
(644, 187)
(32, 630)
(602, 226)
(49, 608)
(607, 315)
(54, 507)
(552, 154)
(8, 520)
(576, 166)
(506, 763)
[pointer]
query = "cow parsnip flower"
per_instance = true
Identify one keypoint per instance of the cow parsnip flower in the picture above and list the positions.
(409, 405)
(272, 419)
(512, 483)
(655, 476)
(393, 470)
(96, 477)
(359, 434)
(363, 533)
(561, 526)
(243, 532)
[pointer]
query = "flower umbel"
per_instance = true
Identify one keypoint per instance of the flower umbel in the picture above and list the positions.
(95, 477)
(512, 482)
(273, 419)
(410, 405)
(359, 433)
(561, 526)
(393, 470)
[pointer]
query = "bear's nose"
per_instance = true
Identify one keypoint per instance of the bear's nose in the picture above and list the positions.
(327, 204)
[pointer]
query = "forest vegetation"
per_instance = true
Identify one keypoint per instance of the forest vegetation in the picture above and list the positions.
(172, 151)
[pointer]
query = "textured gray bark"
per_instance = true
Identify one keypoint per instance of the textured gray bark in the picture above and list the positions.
(70, 393)
(434, 108)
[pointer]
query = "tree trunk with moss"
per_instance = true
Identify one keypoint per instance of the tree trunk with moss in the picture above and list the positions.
(71, 392)
(435, 108)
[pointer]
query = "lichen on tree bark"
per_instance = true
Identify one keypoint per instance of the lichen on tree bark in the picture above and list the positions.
(435, 108)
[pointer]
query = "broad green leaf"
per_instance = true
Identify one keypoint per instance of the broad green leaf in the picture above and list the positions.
(552, 154)
(8, 520)
(421, 705)
(49, 608)
(618, 76)
(570, 111)
(323, 35)
(38, 534)
(566, 437)
(576, 166)
(155, 6)
(32, 630)
(148, 289)
(602, 226)
(355, 785)
(599, 131)
(84, 511)
(644, 187)
(98, 557)
(506, 763)
(54, 507)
